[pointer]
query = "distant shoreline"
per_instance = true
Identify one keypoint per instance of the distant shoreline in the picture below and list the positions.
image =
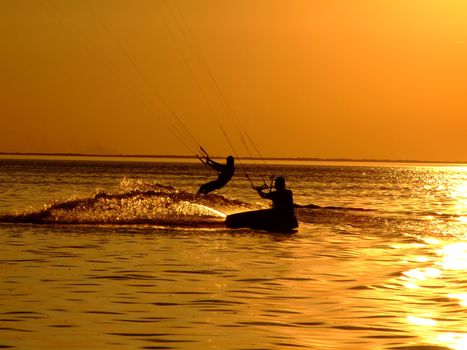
(171, 156)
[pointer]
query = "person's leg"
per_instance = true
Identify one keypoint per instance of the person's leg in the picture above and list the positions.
(208, 187)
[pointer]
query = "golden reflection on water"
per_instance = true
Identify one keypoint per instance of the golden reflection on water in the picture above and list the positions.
(448, 267)
(453, 256)
(423, 274)
(459, 194)
(462, 297)
(456, 341)
(421, 321)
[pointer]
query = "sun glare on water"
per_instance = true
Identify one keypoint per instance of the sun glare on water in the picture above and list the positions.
(440, 281)
(454, 256)
(211, 211)
(459, 194)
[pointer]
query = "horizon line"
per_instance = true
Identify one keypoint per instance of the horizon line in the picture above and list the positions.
(173, 156)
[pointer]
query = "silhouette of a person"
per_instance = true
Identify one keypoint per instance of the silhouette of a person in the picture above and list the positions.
(282, 202)
(225, 171)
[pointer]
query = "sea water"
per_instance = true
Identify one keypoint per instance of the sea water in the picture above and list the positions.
(119, 254)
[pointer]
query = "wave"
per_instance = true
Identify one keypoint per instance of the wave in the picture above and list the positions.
(423, 215)
(134, 202)
(314, 206)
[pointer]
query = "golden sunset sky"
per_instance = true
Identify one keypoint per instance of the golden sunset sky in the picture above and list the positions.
(314, 78)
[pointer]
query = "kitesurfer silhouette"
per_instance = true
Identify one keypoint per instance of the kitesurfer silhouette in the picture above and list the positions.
(225, 171)
(281, 198)
(279, 218)
(282, 202)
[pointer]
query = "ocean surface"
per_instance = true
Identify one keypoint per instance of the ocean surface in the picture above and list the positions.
(121, 254)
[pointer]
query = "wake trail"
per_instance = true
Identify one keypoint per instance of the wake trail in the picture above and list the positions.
(134, 202)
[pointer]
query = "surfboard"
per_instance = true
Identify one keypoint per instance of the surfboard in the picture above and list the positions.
(270, 220)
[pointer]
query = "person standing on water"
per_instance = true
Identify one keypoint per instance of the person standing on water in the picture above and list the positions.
(225, 171)
(282, 202)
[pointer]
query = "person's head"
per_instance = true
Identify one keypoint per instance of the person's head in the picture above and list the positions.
(230, 160)
(279, 184)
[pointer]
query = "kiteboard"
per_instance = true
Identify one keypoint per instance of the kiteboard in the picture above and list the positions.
(271, 220)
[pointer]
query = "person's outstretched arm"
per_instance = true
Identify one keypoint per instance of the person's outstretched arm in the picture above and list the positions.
(260, 190)
(215, 165)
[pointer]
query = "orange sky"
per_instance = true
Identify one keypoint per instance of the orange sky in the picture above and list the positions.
(324, 78)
